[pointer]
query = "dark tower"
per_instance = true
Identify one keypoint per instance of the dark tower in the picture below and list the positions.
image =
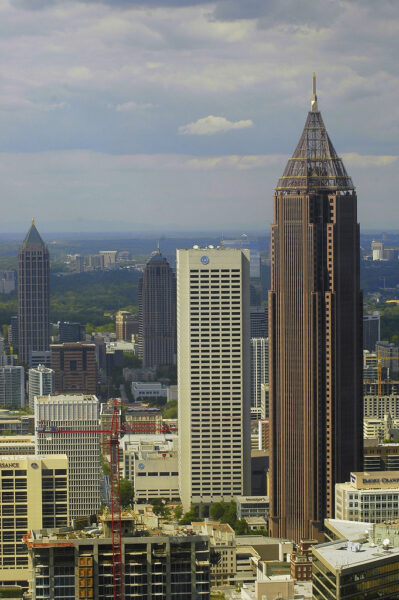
(33, 296)
(157, 313)
(315, 335)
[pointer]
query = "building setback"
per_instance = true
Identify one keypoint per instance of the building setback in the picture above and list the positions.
(315, 335)
(75, 367)
(213, 374)
(33, 296)
(157, 313)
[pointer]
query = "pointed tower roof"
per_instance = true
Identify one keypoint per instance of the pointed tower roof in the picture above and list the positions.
(315, 165)
(33, 237)
(156, 257)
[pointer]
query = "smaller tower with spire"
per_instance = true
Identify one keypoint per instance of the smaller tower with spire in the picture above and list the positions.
(33, 296)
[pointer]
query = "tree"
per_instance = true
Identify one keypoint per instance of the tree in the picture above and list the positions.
(126, 492)
(216, 511)
(178, 512)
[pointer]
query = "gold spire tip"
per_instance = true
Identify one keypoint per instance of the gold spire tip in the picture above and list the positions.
(313, 103)
(33, 221)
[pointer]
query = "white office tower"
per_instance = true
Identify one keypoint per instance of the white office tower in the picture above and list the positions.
(12, 387)
(213, 374)
(41, 383)
(259, 373)
(76, 412)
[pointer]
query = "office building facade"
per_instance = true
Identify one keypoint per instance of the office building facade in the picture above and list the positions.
(70, 332)
(76, 412)
(33, 296)
(41, 383)
(213, 374)
(368, 497)
(259, 373)
(126, 325)
(315, 336)
(75, 367)
(12, 387)
(156, 566)
(157, 313)
(34, 494)
(371, 330)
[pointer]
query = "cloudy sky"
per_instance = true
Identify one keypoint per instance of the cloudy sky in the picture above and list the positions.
(180, 114)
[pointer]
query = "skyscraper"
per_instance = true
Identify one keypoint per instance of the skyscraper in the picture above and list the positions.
(76, 412)
(315, 335)
(213, 374)
(259, 373)
(33, 296)
(157, 313)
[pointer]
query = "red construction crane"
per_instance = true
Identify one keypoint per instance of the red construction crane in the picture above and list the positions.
(116, 518)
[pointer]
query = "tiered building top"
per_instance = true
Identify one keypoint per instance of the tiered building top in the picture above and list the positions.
(315, 165)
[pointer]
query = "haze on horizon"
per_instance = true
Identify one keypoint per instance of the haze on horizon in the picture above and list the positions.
(176, 115)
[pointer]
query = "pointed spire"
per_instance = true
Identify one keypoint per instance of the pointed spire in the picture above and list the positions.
(315, 165)
(33, 236)
(313, 104)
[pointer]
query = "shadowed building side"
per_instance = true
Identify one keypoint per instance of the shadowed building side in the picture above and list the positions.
(315, 336)
(33, 296)
(157, 313)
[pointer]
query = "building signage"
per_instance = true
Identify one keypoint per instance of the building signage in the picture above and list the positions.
(382, 480)
(11, 465)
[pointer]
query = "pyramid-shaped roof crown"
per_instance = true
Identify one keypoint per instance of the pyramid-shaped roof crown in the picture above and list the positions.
(33, 237)
(315, 165)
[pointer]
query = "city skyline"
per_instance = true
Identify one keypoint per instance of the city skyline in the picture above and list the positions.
(192, 105)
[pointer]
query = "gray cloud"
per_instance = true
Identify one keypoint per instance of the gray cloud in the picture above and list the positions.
(276, 12)
(41, 4)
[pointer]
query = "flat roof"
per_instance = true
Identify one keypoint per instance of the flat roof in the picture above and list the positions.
(339, 558)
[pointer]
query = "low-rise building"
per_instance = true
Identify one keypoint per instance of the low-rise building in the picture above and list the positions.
(252, 506)
(151, 390)
(152, 466)
(141, 419)
(223, 550)
(370, 497)
(378, 406)
(14, 423)
(385, 429)
(17, 445)
(301, 560)
(363, 563)
(255, 523)
(70, 565)
(380, 457)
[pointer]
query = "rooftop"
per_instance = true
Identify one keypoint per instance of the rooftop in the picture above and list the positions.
(340, 556)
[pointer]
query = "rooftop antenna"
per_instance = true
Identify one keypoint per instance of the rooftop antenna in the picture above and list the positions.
(159, 247)
(313, 104)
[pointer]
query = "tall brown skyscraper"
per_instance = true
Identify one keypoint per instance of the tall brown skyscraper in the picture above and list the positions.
(33, 296)
(315, 335)
(157, 313)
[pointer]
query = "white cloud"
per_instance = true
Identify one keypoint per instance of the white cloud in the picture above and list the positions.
(211, 125)
(132, 106)
(364, 161)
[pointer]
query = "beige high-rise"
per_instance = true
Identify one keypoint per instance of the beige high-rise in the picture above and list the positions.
(213, 374)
